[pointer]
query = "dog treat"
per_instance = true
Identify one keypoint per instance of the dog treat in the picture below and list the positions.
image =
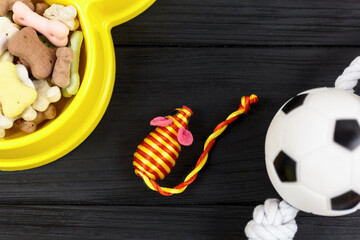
(76, 40)
(27, 46)
(54, 30)
(6, 5)
(35, 36)
(7, 28)
(46, 95)
(31, 126)
(7, 31)
(29, 114)
(6, 56)
(14, 95)
(41, 7)
(3, 45)
(24, 75)
(66, 15)
(61, 74)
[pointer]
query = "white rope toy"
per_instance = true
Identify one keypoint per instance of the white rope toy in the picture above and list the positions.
(275, 220)
(350, 77)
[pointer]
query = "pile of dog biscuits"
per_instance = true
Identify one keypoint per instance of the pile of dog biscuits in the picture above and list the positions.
(39, 61)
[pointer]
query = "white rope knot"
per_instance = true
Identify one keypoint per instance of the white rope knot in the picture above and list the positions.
(274, 220)
(350, 77)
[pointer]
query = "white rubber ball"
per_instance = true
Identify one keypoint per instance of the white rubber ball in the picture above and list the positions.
(312, 152)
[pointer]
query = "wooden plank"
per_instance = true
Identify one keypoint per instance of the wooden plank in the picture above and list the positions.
(246, 22)
(152, 82)
(162, 222)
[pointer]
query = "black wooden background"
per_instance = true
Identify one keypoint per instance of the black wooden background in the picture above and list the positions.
(205, 54)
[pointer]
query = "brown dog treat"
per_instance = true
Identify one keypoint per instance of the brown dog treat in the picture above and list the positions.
(6, 5)
(41, 7)
(61, 74)
(31, 126)
(27, 46)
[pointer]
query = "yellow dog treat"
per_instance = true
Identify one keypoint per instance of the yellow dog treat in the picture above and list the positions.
(14, 95)
(75, 44)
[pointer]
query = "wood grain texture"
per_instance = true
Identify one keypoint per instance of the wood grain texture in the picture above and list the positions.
(245, 22)
(148, 223)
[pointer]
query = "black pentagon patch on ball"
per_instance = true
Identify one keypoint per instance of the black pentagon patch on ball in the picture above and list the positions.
(347, 133)
(285, 167)
(345, 201)
(295, 102)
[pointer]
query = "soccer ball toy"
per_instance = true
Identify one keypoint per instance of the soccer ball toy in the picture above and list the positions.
(312, 152)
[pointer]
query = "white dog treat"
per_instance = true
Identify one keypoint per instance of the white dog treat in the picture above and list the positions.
(66, 15)
(7, 30)
(5, 122)
(46, 95)
(3, 44)
(6, 57)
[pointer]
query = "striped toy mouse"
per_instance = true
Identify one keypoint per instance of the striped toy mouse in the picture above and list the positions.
(157, 154)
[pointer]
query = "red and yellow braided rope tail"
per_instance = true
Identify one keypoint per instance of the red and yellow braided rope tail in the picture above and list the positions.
(243, 109)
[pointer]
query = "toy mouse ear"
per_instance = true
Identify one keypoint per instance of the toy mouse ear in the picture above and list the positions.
(161, 122)
(185, 137)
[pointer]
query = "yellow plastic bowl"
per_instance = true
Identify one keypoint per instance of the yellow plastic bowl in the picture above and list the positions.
(79, 115)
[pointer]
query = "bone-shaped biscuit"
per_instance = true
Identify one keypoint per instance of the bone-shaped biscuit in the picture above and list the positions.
(14, 95)
(7, 31)
(6, 5)
(76, 40)
(27, 46)
(65, 14)
(54, 30)
(29, 114)
(31, 126)
(61, 73)
(46, 95)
